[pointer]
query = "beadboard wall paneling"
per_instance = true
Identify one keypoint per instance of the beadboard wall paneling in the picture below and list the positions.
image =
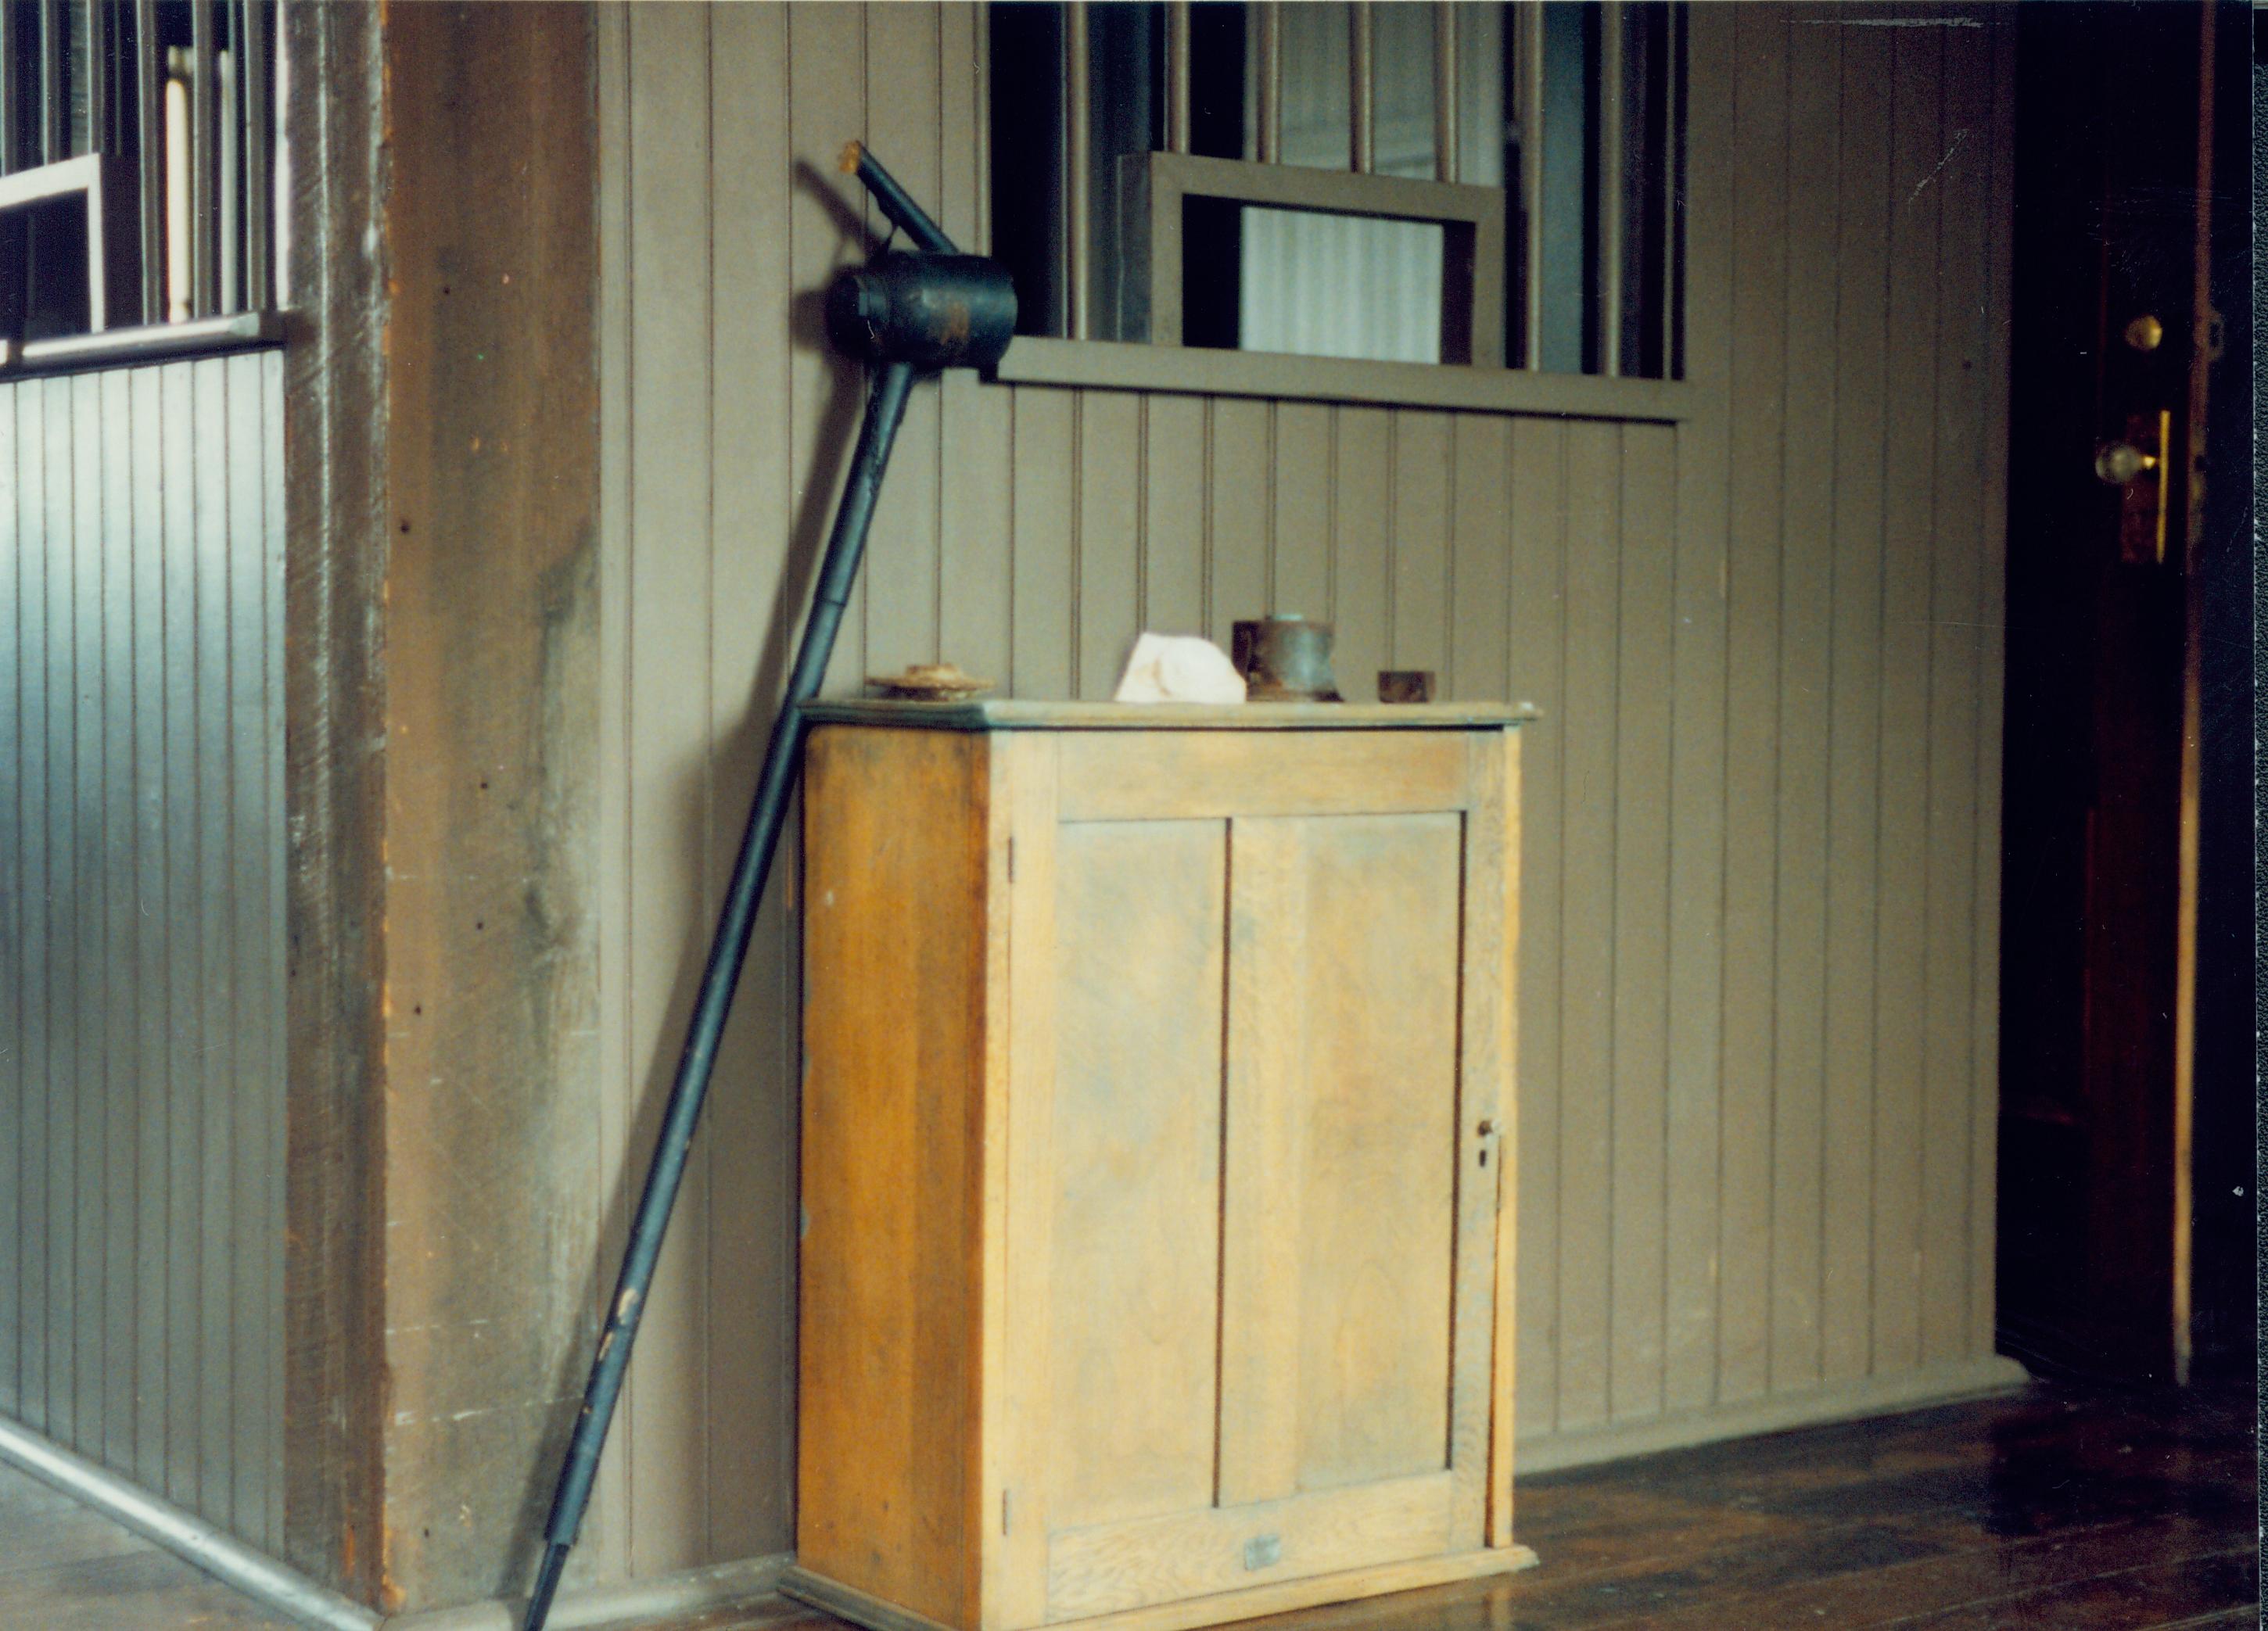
(1757, 1010)
(142, 926)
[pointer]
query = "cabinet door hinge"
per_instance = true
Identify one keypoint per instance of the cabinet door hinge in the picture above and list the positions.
(1012, 860)
(1004, 1510)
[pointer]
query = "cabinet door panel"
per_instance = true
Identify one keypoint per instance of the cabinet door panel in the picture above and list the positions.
(1135, 1207)
(1185, 1554)
(1248, 1328)
(1342, 1148)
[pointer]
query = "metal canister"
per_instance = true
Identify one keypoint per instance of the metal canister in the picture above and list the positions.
(1284, 659)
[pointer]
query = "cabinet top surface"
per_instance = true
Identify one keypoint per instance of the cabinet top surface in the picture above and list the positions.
(1006, 714)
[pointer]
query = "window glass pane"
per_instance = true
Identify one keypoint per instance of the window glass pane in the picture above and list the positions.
(1315, 285)
(1567, 206)
(1316, 108)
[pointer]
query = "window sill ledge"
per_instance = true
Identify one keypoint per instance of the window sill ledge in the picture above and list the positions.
(1113, 366)
(116, 348)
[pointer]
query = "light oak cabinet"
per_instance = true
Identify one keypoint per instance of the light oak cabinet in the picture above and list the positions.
(1157, 1160)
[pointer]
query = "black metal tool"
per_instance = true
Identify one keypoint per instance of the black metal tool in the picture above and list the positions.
(910, 313)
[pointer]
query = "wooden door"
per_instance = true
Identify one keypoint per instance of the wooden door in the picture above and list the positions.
(2112, 346)
(1251, 1219)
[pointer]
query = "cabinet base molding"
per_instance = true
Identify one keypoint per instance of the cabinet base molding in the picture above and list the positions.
(1348, 1586)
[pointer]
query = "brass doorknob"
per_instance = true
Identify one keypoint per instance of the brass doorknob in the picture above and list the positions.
(2117, 463)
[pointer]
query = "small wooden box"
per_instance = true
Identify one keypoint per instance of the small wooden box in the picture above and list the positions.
(1157, 1160)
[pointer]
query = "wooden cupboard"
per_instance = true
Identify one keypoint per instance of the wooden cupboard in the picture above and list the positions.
(1157, 1159)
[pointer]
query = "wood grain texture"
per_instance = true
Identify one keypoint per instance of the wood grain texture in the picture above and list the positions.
(1759, 341)
(755, 598)
(1538, 590)
(1505, 790)
(1187, 772)
(1201, 1554)
(492, 624)
(1133, 1198)
(896, 925)
(1806, 594)
(1165, 1247)
(1016, 1573)
(334, 788)
(1591, 604)
(1692, 1267)
(1854, 722)
(1902, 871)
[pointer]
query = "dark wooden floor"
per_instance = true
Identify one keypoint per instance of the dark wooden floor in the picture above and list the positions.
(2064, 1508)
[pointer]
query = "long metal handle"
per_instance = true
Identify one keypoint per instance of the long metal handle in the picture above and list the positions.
(886, 407)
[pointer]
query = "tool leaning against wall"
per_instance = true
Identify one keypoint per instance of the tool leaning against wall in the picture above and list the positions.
(911, 314)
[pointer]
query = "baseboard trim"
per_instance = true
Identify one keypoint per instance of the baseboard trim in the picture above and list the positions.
(684, 1595)
(1870, 1396)
(191, 1538)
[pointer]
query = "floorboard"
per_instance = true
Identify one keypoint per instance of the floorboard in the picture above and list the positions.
(2065, 1507)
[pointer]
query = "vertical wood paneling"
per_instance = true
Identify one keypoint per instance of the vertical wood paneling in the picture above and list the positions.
(1300, 578)
(1421, 541)
(673, 815)
(827, 106)
(1110, 488)
(1643, 659)
(1861, 343)
(1236, 517)
(141, 955)
(1172, 514)
(903, 65)
(749, 1353)
(1957, 546)
(1760, 215)
(1362, 599)
(1696, 781)
(1744, 797)
(1992, 622)
(1806, 613)
(1539, 512)
(1902, 872)
(1480, 557)
(1591, 628)
(1041, 520)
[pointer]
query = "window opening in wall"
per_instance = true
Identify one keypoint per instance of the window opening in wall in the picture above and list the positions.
(136, 158)
(1569, 116)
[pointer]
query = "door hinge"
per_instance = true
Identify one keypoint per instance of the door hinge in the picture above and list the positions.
(1004, 1511)
(1012, 860)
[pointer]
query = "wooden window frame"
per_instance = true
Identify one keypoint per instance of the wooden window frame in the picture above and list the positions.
(1164, 364)
(1472, 258)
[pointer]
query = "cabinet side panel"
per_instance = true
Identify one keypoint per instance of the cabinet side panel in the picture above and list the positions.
(895, 874)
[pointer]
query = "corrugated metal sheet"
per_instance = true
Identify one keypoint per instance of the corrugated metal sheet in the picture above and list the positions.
(141, 926)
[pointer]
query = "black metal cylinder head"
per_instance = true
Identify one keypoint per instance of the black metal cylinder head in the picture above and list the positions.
(933, 311)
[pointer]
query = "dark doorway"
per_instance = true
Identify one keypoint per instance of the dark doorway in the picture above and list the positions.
(2126, 987)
